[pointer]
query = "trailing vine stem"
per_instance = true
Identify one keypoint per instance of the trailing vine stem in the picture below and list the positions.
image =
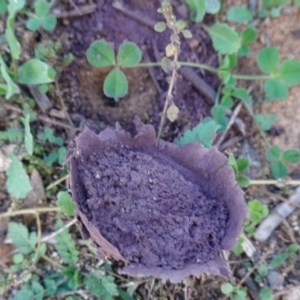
(208, 68)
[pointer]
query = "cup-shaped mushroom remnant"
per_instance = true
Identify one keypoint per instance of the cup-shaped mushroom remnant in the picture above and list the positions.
(166, 211)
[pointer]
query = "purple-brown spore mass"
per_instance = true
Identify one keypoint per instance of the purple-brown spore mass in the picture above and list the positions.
(164, 210)
(148, 210)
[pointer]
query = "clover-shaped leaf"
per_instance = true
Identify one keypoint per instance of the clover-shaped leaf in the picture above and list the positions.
(129, 55)
(274, 89)
(265, 122)
(268, 59)
(289, 72)
(100, 54)
(273, 154)
(115, 84)
(41, 17)
(41, 8)
(291, 156)
(49, 22)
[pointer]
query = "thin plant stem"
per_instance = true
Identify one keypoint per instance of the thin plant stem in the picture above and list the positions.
(275, 182)
(168, 97)
(58, 181)
(15, 69)
(39, 237)
(250, 77)
(205, 67)
(51, 261)
(258, 127)
(59, 231)
(29, 211)
(175, 43)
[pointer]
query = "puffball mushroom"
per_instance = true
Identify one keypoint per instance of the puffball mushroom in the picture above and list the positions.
(166, 211)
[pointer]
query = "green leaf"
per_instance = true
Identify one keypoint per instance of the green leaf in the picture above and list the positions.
(289, 72)
(240, 295)
(219, 114)
(51, 158)
(115, 84)
(241, 94)
(257, 211)
(12, 135)
(14, 6)
(279, 169)
(3, 7)
(226, 288)
(273, 153)
(21, 238)
(249, 35)
(274, 89)
(101, 54)
(232, 162)
(35, 71)
(28, 139)
(238, 249)
(181, 24)
(225, 39)
(33, 292)
(25, 293)
(278, 260)
(101, 286)
(48, 135)
(275, 12)
(239, 14)
(66, 204)
(266, 293)
(292, 249)
(38, 290)
(268, 59)
(263, 270)
(17, 183)
(49, 22)
(213, 6)
(197, 9)
(242, 164)
(129, 55)
(187, 34)
(62, 154)
(243, 181)
(65, 245)
(12, 88)
(244, 50)
(291, 156)
(51, 286)
(227, 101)
(18, 258)
(33, 24)
(297, 3)
(250, 229)
(203, 133)
(73, 275)
(160, 26)
(41, 8)
(228, 63)
(265, 122)
(14, 45)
